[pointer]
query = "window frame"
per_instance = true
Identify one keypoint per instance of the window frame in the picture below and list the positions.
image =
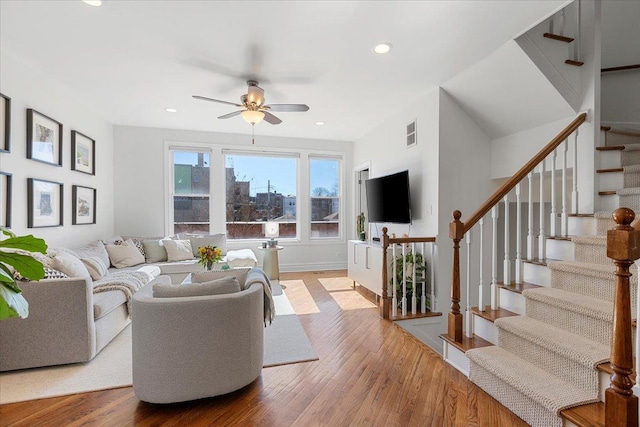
(340, 197)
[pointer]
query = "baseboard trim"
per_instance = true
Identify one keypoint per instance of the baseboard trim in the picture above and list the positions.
(313, 266)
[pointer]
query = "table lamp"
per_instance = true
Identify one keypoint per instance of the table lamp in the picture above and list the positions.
(272, 229)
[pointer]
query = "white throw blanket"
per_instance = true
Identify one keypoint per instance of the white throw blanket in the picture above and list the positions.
(257, 275)
(126, 281)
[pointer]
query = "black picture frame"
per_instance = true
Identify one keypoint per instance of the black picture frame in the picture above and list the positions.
(48, 132)
(5, 124)
(83, 153)
(5, 199)
(83, 205)
(45, 203)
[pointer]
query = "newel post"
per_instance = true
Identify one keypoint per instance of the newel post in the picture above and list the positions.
(623, 246)
(385, 303)
(456, 232)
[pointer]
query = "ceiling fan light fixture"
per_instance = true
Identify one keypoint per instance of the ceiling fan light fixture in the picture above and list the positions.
(171, 110)
(95, 3)
(252, 116)
(320, 123)
(382, 48)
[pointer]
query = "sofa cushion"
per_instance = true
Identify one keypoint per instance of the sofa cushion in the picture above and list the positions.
(218, 240)
(154, 250)
(125, 255)
(225, 285)
(94, 249)
(69, 265)
(178, 250)
(207, 276)
(105, 302)
(95, 265)
(180, 267)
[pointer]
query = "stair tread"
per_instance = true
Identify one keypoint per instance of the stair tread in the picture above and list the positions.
(611, 148)
(607, 193)
(517, 287)
(539, 261)
(628, 191)
(567, 238)
(574, 347)
(545, 388)
(585, 268)
(417, 315)
(570, 301)
(612, 170)
(467, 343)
(558, 37)
(492, 315)
(581, 215)
(589, 415)
(575, 63)
(600, 240)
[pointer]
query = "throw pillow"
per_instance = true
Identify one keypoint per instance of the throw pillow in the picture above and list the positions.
(178, 250)
(124, 255)
(218, 240)
(69, 265)
(225, 285)
(154, 250)
(51, 273)
(95, 265)
(206, 276)
(94, 249)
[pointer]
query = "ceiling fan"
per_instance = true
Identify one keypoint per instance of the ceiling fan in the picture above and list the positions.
(253, 107)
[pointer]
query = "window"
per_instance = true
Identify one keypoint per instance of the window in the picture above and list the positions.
(260, 188)
(191, 192)
(324, 180)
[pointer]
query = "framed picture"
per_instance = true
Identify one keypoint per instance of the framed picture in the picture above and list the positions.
(44, 138)
(5, 200)
(84, 205)
(83, 153)
(44, 203)
(5, 123)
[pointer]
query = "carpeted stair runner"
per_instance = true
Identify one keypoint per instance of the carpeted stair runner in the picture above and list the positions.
(532, 393)
(546, 360)
(621, 137)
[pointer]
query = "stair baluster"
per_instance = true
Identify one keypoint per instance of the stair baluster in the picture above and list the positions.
(621, 405)
(506, 272)
(494, 258)
(433, 278)
(423, 298)
(481, 283)
(468, 315)
(404, 281)
(564, 223)
(554, 212)
(518, 267)
(574, 192)
(530, 236)
(541, 236)
(414, 287)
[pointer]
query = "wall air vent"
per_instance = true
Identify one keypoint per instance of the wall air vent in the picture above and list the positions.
(411, 134)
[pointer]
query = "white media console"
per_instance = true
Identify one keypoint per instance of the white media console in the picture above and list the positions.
(365, 264)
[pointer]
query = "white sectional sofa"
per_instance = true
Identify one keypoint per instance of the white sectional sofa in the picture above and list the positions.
(72, 318)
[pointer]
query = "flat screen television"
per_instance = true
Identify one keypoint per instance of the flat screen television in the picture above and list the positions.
(388, 198)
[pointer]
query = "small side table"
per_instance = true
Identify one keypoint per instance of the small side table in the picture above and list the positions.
(270, 263)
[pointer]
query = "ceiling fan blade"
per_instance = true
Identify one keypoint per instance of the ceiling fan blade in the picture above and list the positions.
(288, 107)
(270, 118)
(226, 116)
(204, 98)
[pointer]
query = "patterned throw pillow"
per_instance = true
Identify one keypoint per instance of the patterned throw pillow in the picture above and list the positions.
(136, 242)
(49, 273)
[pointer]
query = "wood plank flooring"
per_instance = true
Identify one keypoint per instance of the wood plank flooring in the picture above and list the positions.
(370, 373)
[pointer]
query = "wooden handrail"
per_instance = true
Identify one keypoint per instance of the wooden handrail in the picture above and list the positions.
(403, 240)
(620, 68)
(621, 406)
(523, 172)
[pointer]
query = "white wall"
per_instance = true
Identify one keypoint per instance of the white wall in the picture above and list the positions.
(620, 100)
(385, 148)
(29, 87)
(140, 165)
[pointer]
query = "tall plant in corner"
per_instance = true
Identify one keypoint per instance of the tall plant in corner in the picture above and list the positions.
(15, 252)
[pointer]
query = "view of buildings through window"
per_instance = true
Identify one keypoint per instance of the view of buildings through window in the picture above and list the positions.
(258, 188)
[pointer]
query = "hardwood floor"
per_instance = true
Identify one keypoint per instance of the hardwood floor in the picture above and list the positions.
(370, 373)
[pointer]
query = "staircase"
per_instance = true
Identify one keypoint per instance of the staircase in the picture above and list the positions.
(543, 350)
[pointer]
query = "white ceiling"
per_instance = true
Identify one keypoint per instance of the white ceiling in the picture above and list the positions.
(131, 59)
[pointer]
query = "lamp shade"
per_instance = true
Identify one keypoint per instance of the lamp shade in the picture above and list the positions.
(252, 116)
(272, 229)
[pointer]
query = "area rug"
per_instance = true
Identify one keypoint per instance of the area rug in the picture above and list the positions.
(285, 342)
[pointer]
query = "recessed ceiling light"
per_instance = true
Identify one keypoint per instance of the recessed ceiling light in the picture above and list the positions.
(93, 2)
(170, 110)
(382, 48)
(320, 123)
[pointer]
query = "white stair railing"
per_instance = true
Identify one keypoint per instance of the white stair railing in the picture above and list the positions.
(518, 269)
(565, 213)
(468, 316)
(541, 235)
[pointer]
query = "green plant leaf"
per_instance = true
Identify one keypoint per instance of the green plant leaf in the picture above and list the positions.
(12, 304)
(26, 265)
(7, 232)
(26, 243)
(7, 278)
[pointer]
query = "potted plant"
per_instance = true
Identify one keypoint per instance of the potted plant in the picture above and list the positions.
(406, 270)
(15, 253)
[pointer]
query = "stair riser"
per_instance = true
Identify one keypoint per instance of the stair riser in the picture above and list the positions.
(485, 329)
(609, 202)
(595, 287)
(560, 249)
(610, 159)
(519, 403)
(631, 179)
(537, 274)
(613, 138)
(577, 323)
(512, 301)
(629, 158)
(630, 201)
(455, 357)
(582, 226)
(611, 181)
(596, 254)
(603, 225)
(581, 376)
